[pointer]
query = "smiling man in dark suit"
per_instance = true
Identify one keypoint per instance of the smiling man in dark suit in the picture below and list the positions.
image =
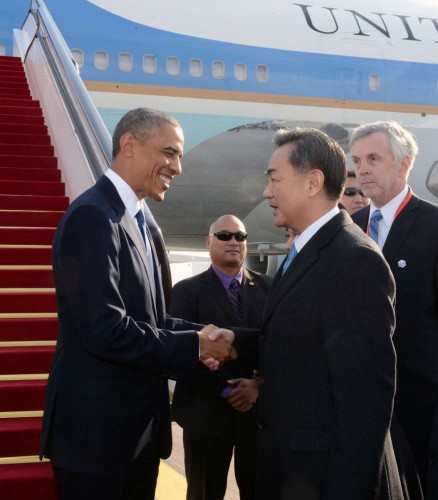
(406, 229)
(216, 416)
(326, 358)
(106, 419)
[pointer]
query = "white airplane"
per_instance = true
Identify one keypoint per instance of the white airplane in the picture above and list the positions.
(233, 72)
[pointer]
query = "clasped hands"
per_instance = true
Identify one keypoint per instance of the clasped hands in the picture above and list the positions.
(215, 346)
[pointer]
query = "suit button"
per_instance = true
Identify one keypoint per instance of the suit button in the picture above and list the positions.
(261, 381)
(262, 424)
(262, 337)
(432, 460)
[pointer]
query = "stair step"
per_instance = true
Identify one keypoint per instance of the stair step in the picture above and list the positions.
(10, 61)
(28, 161)
(27, 302)
(20, 329)
(25, 256)
(19, 436)
(22, 395)
(22, 119)
(33, 202)
(32, 188)
(20, 128)
(20, 111)
(22, 218)
(26, 149)
(10, 92)
(27, 481)
(27, 139)
(18, 102)
(30, 360)
(26, 278)
(26, 236)
(30, 174)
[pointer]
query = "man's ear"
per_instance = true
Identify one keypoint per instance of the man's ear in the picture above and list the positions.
(207, 242)
(405, 166)
(315, 182)
(127, 144)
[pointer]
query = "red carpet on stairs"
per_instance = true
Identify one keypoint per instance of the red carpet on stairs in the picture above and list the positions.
(32, 201)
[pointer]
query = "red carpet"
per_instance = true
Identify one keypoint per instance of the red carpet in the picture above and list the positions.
(18, 329)
(32, 202)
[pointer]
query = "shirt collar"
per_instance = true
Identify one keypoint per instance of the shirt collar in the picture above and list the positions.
(302, 238)
(126, 193)
(227, 279)
(389, 210)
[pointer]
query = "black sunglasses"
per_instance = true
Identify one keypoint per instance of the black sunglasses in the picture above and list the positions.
(227, 235)
(353, 192)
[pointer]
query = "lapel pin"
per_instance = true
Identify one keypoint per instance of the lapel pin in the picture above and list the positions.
(251, 283)
(401, 263)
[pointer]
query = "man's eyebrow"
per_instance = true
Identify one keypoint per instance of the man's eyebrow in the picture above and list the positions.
(171, 149)
(269, 171)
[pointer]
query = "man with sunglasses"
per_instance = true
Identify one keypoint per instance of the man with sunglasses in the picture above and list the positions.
(352, 198)
(406, 229)
(214, 413)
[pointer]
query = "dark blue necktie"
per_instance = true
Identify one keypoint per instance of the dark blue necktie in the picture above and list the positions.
(236, 300)
(140, 221)
(373, 229)
(290, 257)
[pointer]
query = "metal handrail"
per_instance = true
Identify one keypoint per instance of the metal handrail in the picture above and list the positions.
(89, 126)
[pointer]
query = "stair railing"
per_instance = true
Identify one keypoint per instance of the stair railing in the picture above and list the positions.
(89, 126)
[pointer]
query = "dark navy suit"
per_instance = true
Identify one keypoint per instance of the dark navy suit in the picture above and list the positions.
(212, 428)
(107, 406)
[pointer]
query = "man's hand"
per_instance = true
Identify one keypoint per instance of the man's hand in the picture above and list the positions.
(244, 393)
(214, 353)
(220, 333)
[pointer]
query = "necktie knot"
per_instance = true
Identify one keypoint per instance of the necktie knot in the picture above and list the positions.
(290, 257)
(140, 221)
(373, 229)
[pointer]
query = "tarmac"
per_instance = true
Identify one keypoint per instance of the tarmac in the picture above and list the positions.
(172, 483)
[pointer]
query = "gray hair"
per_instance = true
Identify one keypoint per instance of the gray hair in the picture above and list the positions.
(142, 123)
(402, 142)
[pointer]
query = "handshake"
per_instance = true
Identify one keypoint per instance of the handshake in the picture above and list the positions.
(215, 346)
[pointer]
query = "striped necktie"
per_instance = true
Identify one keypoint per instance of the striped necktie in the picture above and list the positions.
(236, 300)
(373, 228)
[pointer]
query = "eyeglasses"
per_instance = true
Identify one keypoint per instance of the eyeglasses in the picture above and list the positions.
(227, 235)
(353, 192)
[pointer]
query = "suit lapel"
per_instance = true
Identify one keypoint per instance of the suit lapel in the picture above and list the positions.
(400, 228)
(219, 295)
(302, 263)
(249, 290)
(107, 188)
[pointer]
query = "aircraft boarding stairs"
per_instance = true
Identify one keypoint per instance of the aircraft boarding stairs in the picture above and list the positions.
(32, 201)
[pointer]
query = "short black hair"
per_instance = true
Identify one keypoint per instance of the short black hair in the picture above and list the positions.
(313, 149)
(141, 122)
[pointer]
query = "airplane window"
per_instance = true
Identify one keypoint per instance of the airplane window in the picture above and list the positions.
(240, 71)
(125, 61)
(78, 56)
(374, 83)
(262, 73)
(149, 63)
(2, 49)
(172, 65)
(101, 59)
(218, 69)
(195, 67)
